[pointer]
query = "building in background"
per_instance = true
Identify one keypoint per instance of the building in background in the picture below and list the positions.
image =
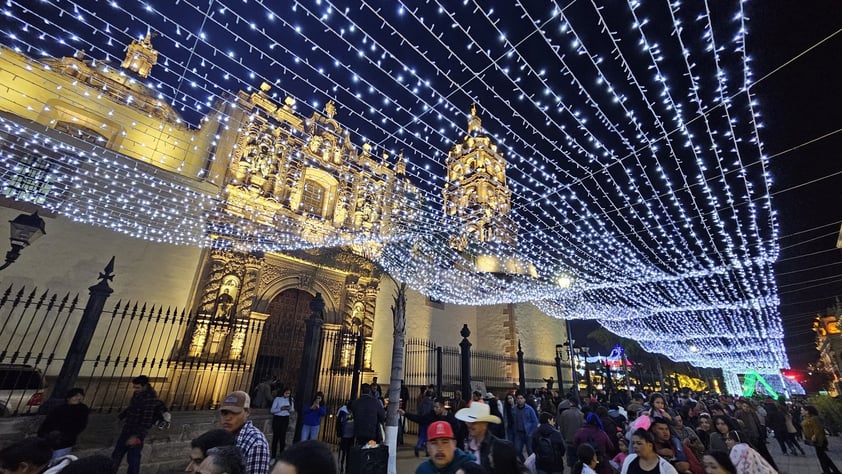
(829, 344)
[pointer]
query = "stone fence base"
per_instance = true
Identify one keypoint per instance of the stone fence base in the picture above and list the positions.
(164, 451)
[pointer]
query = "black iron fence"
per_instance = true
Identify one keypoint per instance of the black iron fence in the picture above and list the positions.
(335, 375)
(34, 332)
(194, 360)
(37, 332)
(499, 372)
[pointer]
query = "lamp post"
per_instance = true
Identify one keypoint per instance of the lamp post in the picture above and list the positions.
(559, 352)
(571, 349)
(583, 353)
(25, 229)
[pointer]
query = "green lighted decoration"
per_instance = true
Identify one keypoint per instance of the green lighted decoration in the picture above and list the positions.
(750, 383)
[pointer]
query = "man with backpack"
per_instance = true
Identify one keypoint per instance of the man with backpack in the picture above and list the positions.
(548, 446)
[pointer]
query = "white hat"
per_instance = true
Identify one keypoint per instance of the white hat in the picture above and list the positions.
(478, 412)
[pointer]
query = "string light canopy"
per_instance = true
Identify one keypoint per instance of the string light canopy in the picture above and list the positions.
(639, 185)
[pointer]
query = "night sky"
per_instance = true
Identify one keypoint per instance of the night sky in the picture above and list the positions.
(557, 145)
(802, 111)
(802, 114)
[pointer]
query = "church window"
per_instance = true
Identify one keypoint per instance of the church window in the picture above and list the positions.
(313, 197)
(33, 179)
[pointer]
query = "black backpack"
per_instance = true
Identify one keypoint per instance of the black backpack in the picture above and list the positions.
(545, 454)
(547, 458)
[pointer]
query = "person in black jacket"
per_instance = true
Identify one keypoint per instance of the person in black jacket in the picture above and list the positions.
(64, 423)
(548, 446)
(440, 413)
(368, 414)
(137, 418)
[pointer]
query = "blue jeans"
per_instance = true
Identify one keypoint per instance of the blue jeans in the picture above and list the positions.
(422, 436)
(309, 432)
(521, 440)
(132, 453)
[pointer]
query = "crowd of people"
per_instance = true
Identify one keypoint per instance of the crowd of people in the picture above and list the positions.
(236, 447)
(537, 432)
(685, 432)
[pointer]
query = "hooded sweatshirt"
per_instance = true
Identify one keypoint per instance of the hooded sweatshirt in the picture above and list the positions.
(459, 458)
(557, 442)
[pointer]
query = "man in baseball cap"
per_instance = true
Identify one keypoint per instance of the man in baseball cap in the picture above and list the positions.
(445, 457)
(234, 412)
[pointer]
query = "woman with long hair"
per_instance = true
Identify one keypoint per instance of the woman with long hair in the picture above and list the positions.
(721, 427)
(586, 460)
(282, 407)
(658, 407)
(745, 458)
(717, 462)
(645, 459)
(791, 432)
(813, 430)
(313, 415)
(704, 424)
(508, 417)
(777, 421)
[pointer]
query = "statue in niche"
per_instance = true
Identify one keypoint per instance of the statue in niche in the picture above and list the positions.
(224, 302)
(357, 313)
(356, 325)
(365, 212)
(228, 292)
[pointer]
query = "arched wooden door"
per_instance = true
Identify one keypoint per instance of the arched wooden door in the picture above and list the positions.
(282, 341)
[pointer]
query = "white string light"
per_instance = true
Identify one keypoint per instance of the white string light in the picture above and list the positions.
(635, 163)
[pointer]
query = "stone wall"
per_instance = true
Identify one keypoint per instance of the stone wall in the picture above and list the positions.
(494, 328)
(70, 256)
(164, 451)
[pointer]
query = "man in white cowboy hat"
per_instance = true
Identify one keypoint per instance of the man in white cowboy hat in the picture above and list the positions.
(480, 440)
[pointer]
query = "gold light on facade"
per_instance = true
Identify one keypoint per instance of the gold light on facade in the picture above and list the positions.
(476, 190)
(140, 56)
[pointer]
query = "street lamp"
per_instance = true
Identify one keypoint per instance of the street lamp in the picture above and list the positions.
(25, 229)
(559, 354)
(583, 352)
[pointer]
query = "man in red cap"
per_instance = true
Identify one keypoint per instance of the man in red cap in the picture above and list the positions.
(445, 457)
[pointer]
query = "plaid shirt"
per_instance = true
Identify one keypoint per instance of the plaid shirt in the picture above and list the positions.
(140, 414)
(255, 449)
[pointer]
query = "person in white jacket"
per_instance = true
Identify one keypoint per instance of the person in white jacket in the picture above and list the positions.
(644, 457)
(282, 407)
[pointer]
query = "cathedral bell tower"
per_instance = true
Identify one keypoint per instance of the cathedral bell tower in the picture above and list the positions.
(140, 56)
(476, 191)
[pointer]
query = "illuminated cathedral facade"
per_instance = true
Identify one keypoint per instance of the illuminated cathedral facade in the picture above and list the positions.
(275, 168)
